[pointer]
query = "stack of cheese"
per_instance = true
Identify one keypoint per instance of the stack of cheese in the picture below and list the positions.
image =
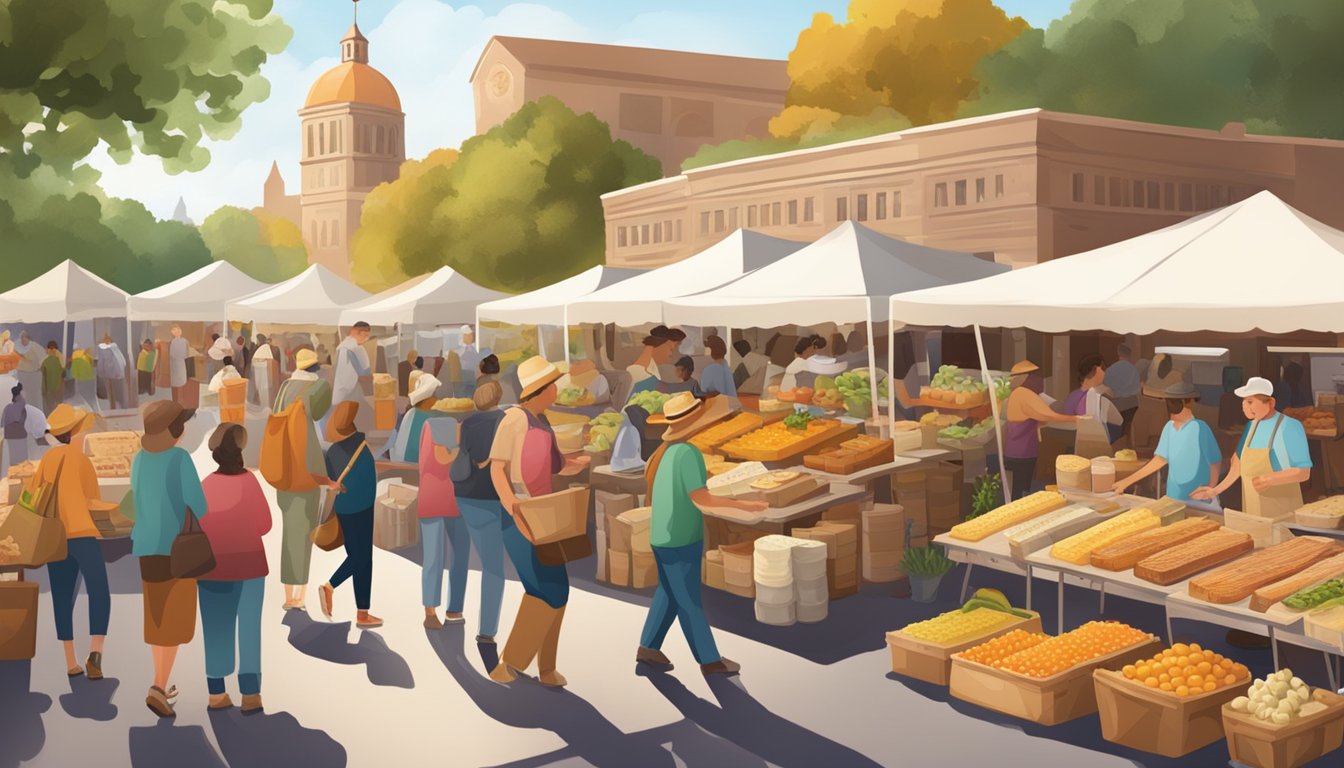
(810, 589)
(841, 540)
(773, 574)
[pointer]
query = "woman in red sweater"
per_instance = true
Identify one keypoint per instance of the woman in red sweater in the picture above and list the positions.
(231, 594)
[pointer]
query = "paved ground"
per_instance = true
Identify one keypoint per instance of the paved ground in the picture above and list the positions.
(819, 695)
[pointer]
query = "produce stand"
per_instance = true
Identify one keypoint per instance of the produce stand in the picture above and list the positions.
(1160, 722)
(1259, 744)
(931, 662)
(878, 478)
(725, 527)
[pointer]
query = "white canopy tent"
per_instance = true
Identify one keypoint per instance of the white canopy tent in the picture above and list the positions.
(442, 296)
(198, 297)
(64, 293)
(637, 300)
(547, 306)
(316, 296)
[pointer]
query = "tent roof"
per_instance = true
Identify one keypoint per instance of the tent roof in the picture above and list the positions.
(546, 306)
(832, 279)
(67, 291)
(638, 300)
(315, 296)
(1198, 275)
(442, 296)
(199, 296)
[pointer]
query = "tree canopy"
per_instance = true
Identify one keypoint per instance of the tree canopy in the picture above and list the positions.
(266, 247)
(390, 223)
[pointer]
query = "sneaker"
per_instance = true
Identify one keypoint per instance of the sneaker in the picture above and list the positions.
(485, 639)
(652, 657)
(325, 594)
(721, 667)
(157, 701)
(453, 618)
(94, 665)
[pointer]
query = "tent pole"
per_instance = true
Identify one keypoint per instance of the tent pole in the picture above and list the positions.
(872, 359)
(994, 409)
(564, 335)
(891, 373)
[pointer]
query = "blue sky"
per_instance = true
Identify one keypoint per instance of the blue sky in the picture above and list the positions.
(428, 47)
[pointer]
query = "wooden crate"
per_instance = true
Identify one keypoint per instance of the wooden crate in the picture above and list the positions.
(835, 432)
(933, 663)
(1069, 695)
(1156, 721)
(1265, 745)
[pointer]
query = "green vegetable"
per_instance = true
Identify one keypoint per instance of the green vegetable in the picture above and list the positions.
(569, 395)
(798, 420)
(986, 495)
(926, 561)
(1316, 596)
(649, 400)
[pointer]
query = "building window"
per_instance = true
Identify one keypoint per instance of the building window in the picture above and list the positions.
(392, 144)
(718, 220)
(998, 186)
(1187, 198)
(312, 232)
(621, 240)
(644, 234)
(751, 215)
(335, 137)
(1078, 188)
(704, 222)
(1169, 196)
(807, 210)
(732, 219)
(657, 233)
(961, 192)
(980, 190)
(678, 230)
(793, 211)
(776, 214)
(842, 209)
(308, 152)
(368, 139)
(1201, 197)
(896, 205)
(321, 138)
(335, 233)
(1219, 196)
(1117, 191)
(1138, 194)
(640, 113)
(880, 202)
(940, 195)
(667, 231)
(861, 207)
(1154, 195)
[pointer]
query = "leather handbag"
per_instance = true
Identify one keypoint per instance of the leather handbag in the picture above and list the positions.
(191, 556)
(35, 523)
(328, 534)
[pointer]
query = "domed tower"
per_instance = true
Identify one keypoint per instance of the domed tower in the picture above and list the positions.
(353, 133)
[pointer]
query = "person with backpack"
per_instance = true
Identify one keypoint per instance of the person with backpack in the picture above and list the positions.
(676, 481)
(292, 462)
(350, 466)
(478, 502)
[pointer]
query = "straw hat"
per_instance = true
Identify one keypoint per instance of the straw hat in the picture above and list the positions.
(685, 414)
(1023, 367)
(66, 418)
(534, 375)
(305, 359)
(159, 418)
(424, 388)
(342, 422)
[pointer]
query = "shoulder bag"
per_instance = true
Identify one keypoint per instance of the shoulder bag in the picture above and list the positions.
(191, 556)
(35, 523)
(328, 534)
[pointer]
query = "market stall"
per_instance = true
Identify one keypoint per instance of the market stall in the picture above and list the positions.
(546, 306)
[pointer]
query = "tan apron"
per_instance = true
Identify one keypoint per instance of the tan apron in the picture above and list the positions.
(1277, 502)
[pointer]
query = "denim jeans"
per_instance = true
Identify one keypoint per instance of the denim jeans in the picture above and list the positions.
(437, 536)
(548, 583)
(84, 557)
(678, 597)
(232, 610)
(484, 520)
(357, 528)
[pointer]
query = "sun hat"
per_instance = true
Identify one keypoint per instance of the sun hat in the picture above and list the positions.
(424, 388)
(305, 359)
(342, 422)
(1023, 367)
(1181, 390)
(159, 417)
(66, 418)
(534, 375)
(685, 414)
(1256, 385)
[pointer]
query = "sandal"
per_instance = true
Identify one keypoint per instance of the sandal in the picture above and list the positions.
(74, 671)
(158, 703)
(326, 593)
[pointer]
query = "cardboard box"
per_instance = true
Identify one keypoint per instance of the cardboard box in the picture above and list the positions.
(1265, 745)
(933, 663)
(643, 570)
(233, 414)
(713, 570)
(18, 620)
(384, 386)
(618, 568)
(880, 575)
(395, 522)
(608, 505)
(384, 415)
(600, 548)
(1155, 721)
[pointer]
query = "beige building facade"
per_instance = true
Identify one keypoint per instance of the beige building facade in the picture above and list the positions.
(667, 103)
(1024, 186)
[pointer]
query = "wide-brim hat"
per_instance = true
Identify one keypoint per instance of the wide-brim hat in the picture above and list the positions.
(159, 417)
(1181, 390)
(687, 418)
(342, 422)
(305, 359)
(1023, 367)
(66, 418)
(426, 385)
(534, 375)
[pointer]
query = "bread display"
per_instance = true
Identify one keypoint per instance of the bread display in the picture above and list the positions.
(1235, 582)
(1267, 596)
(1078, 548)
(1200, 554)
(1010, 514)
(1126, 554)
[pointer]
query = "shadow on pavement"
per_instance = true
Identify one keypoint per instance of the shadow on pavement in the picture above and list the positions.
(166, 745)
(329, 642)
(91, 699)
(273, 739)
(21, 733)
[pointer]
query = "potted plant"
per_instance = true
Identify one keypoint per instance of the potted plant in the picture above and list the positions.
(926, 567)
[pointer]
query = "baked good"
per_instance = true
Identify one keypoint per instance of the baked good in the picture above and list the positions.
(1127, 553)
(1200, 554)
(1010, 514)
(1267, 596)
(1237, 581)
(1078, 548)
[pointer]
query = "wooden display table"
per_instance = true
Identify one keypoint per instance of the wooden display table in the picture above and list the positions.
(730, 529)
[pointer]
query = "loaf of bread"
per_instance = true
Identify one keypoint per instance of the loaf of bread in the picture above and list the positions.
(1200, 554)
(1237, 581)
(1267, 596)
(1127, 553)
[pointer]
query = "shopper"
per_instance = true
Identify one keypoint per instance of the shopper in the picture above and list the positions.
(178, 351)
(676, 480)
(220, 348)
(67, 469)
(14, 419)
(144, 368)
(470, 359)
(81, 370)
(231, 595)
(53, 379)
(349, 454)
(716, 378)
(441, 525)
(803, 349)
(226, 372)
(658, 348)
(166, 490)
(1025, 412)
(1125, 383)
(29, 371)
(478, 502)
(1187, 447)
(299, 509)
(489, 369)
(405, 443)
(749, 375)
(352, 364)
(685, 368)
(1104, 424)
(523, 459)
(583, 374)
(112, 370)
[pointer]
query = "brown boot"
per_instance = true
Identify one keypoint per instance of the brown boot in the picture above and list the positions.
(550, 647)
(525, 638)
(252, 702)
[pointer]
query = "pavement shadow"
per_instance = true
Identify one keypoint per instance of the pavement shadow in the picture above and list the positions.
(329, 642)
(742, 720)
(22, 735)
(273, 739)
(91, 699)
(164, 744)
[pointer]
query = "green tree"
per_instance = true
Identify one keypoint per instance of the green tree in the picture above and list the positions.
(520, 207)
(266, 247)
(392, 222)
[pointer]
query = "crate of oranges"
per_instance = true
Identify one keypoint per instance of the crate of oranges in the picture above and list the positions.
(1171, 703)
(1047, 680)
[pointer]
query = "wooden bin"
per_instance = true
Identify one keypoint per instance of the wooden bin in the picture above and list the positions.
(1057, 699)
(932, 663)
(18, 620)
(555, 516)
(1265, 745)
(1156, 721)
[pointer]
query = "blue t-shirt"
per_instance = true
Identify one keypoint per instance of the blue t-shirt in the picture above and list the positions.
(1290, 447)
(1188, 451)
(716, 378)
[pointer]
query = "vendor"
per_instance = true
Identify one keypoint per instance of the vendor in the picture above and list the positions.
(803, 349)
(685, 368)
(1104, 424)
(583, 374)
(1273, 459)
(1187, 446)
(659, 347)
(1025, 412)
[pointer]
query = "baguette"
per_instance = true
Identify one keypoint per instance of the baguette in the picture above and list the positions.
(1200, 554)
(1237, 581)
(1126, 554)
(1328, 568)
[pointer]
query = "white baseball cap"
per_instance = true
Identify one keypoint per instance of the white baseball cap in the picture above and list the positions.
(466, 329)
(1256, 385)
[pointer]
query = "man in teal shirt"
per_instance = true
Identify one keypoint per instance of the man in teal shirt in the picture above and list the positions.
(677, 480)
(1187, 447)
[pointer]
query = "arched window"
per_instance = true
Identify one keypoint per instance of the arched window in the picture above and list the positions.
(308, 151)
